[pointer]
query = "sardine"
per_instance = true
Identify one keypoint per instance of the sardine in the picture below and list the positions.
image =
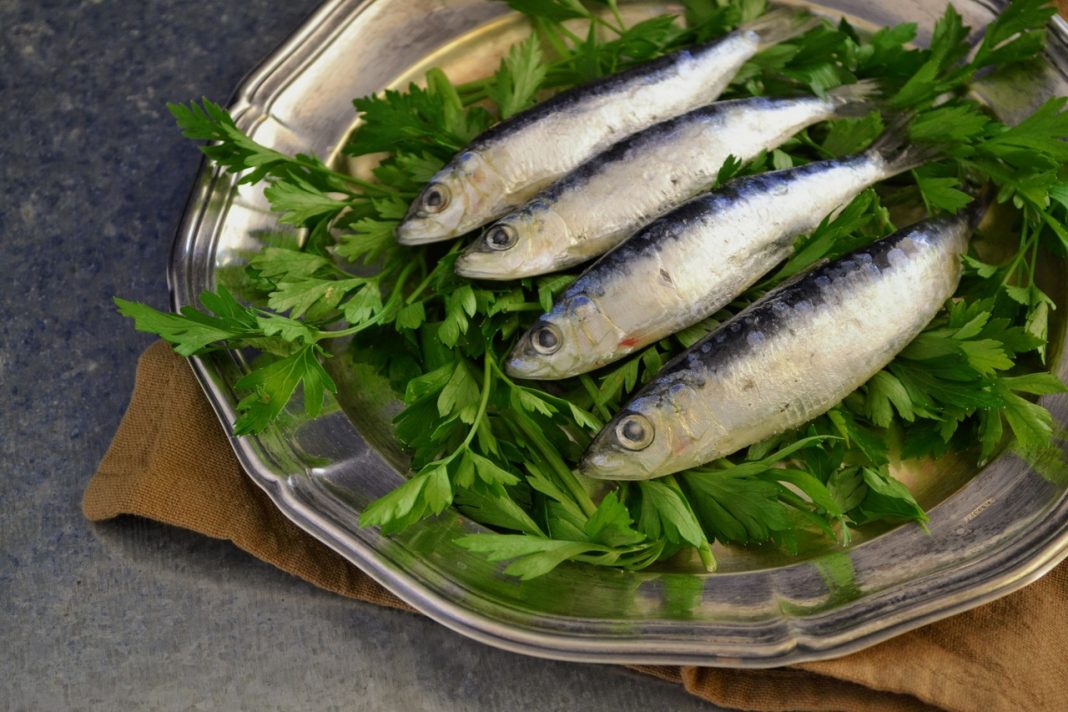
(789, 357)
(693, 261)
(509, 163)
(610, 196)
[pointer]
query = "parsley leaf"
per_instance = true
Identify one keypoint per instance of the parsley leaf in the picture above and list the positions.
(530, 556)
(191, 331)
(941, 193)
(518, 79)
(273, 386)
(418, 121)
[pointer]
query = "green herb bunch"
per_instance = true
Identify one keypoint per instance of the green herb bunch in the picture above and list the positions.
(503, 451)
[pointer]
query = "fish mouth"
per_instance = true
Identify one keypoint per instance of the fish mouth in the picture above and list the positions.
(482, 264)
(421, 231)
(609, 464)
(477, 264)
(529, 367)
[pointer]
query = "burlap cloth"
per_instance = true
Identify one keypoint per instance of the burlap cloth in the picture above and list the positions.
(171, 462)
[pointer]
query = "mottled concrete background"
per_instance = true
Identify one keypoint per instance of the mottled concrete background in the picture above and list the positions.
(93, 179)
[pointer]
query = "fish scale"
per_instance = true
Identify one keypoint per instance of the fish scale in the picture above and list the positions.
(695, 260)
(607, 198)
(790, 356)
(505, 166)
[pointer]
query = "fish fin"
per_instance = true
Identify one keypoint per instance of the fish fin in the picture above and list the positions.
(779, 25)
(897, 153)
(854, 101)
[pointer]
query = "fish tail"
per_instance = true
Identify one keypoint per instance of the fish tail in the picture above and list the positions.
(854, 100)
(976, 210)
(779, 25)
(897, 153)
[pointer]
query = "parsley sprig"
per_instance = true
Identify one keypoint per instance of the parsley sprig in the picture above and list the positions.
(502, 451)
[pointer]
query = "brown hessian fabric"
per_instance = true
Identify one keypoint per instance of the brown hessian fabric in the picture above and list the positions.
(170, 461)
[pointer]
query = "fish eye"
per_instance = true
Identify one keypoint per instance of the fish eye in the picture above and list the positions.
(634, 432)
(501, 237)
(546, 339)
(435, 198)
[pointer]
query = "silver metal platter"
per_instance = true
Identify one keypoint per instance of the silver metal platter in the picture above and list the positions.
(992, 531)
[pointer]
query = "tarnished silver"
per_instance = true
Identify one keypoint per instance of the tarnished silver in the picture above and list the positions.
(991, 531)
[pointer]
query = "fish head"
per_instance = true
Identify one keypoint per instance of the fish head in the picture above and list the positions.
(651, 437)
(525, 243)
(459, 198)
(565, 342)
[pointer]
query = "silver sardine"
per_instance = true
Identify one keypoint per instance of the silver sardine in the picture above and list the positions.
(508, 164)
(789, 357)
(695, 260)
(606, 199)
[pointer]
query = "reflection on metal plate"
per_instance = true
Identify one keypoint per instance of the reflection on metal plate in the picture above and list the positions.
(991, 531)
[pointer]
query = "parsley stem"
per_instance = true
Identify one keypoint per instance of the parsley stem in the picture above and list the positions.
(367, 185)
(537, 462)
(704, 550)
(807, 140)
(475, 97)
(520, 308)
(575, 39)
(483, 403)
(378, 318)
(552, 457)
(558, 45)
(504, 376)
(300, 169)
(1025, 238)
(337, 334)
(591, 389)
(480, 414)
(620, 25)
(475, 85)
(598, 20)
(1034, 260)
(426, 280)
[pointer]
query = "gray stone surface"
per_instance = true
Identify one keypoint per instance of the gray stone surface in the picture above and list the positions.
(93, 179)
